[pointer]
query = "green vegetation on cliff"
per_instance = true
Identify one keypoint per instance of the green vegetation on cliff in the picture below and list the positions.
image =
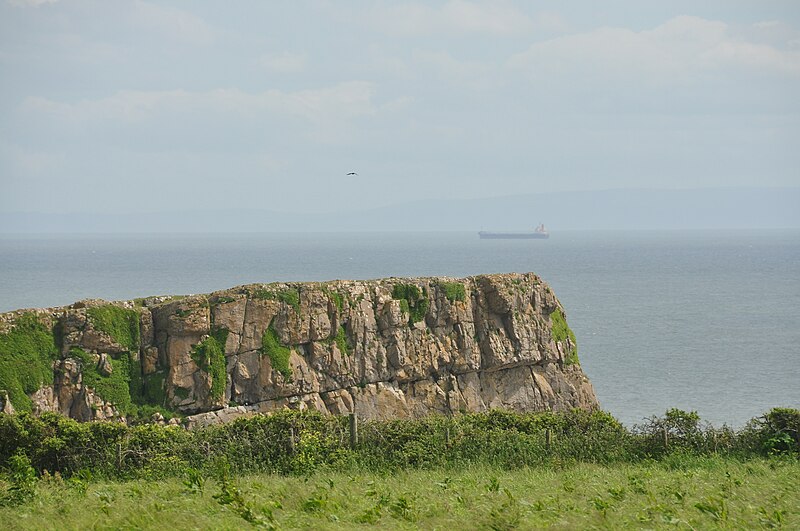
(126, 387)
(27, 354)
(412, 301)
(454, 291)
(153, 392)
(562, 331)
(26, 360)
(341, 341)
(131, 393)
(290, 296)
(115, 387)
(210, 357)
(278, 353)
(121, 324)
(335, 296)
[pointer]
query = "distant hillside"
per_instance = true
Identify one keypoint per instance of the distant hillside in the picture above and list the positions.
(707, 208)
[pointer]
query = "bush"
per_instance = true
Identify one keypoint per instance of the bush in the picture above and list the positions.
(776, 432)
(22, 481)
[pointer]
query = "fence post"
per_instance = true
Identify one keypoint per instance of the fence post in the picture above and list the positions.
(548, 439)
(291, 438)
(353, 430)
(447, 436)
(666, 438)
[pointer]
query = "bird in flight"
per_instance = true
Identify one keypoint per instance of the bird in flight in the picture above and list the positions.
(352, 173)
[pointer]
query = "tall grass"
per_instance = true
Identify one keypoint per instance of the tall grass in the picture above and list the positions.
(709, 492)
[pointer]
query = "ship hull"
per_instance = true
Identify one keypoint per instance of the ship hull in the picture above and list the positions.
(513, 235)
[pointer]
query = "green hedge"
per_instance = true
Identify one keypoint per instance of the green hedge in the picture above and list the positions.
(292, 442)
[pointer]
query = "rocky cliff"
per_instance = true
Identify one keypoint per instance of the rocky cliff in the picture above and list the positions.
(382, 348)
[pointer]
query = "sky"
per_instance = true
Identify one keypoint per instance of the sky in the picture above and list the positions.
(139, 107)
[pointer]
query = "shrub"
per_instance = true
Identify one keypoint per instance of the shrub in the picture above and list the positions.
(777, 431)
(22, 481)
(677, 430)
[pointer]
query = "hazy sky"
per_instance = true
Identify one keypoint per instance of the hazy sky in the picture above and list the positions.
(148, 106)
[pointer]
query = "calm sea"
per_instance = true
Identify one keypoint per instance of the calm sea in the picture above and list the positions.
(702, 320)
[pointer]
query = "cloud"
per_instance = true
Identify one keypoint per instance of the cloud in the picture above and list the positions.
(471, 74)
(455, 16)
(322, 114)
(171, 22)
(673, 53)
(30, 3)
(348, 98)
(768, 24)
(283, 63)
(31, 161)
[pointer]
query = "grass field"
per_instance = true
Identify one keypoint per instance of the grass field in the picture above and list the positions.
(678, 492)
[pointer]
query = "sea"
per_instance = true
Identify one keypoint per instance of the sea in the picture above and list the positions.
(705, 321)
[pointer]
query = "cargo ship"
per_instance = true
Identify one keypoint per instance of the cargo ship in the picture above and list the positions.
(539, 233)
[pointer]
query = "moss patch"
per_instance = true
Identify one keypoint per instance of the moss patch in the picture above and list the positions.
(454, 291)
(412, 300)
(562, 331)
(278, 353)
(121, 324)
(209, 355)
(26, 360)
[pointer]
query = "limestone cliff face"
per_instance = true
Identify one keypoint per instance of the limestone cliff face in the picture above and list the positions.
(382, 348)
